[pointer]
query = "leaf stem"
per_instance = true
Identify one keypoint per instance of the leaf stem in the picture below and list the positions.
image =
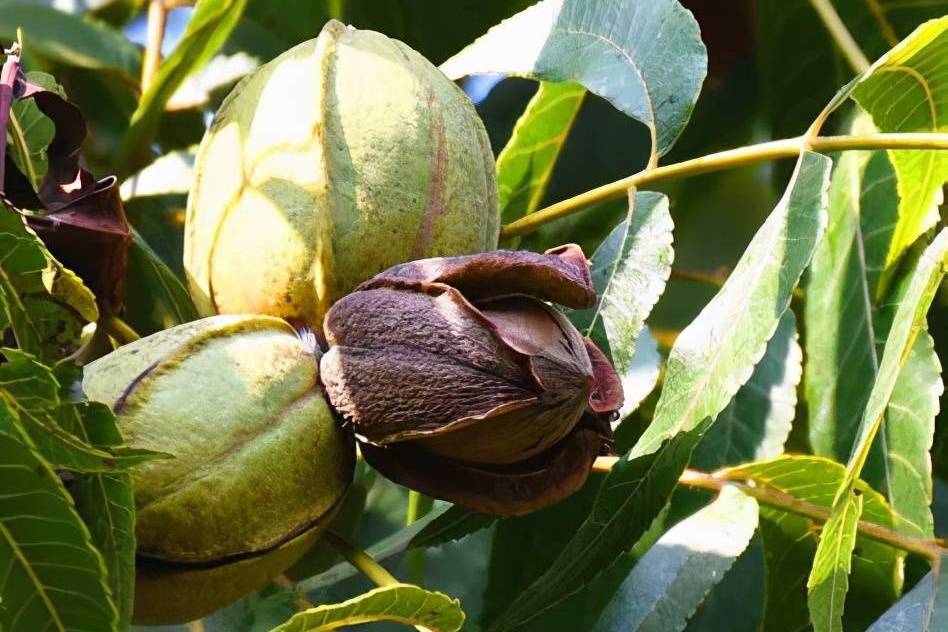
(361, 560)
(155, 35)
(841, 36)
(930, 549)
(118, 329)
(772, 150)
(418, 507)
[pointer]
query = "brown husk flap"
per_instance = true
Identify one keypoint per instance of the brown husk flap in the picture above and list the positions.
(84, 223)
(560, 276)
(511, 490)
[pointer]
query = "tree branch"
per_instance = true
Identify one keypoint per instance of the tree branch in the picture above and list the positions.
(930, 549)
(157, 19)
(773, 150)
(841, 36)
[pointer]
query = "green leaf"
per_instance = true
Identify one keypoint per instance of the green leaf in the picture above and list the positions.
(629, 271)
(715, 355)
(454, 524)
(46, 304)
(846, 325)
(922, 609)
(793, 45)
(829, 578)
(399, 603)
(30, 132)
(905, 91)
(30, 392)
(69, 39)
(156, 299)
(207, 30)
(757, 422)
(672, 579)
(608, 46)
(54, 578)
(909, 319)
(790, 542)
(633, 494)
(525, 165)
(106, 503)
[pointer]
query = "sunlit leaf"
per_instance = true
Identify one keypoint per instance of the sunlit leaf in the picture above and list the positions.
(629, 271)
(845, 329)
(756, 423)
(399, 603)
(716, 353)
(608, 46)
(526, 164)
(790, 542)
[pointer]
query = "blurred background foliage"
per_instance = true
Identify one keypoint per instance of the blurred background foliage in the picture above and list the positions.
(772, 68)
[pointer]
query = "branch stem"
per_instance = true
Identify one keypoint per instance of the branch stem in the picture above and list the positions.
(361, 560)
(154, 37)
(841, 36)
(772, 150)
(930, 549)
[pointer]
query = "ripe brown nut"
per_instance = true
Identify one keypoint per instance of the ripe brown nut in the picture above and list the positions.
(462, 383)
(343, 156)
(258, 456)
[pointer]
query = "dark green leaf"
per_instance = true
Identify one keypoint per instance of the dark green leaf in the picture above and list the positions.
(30, 131)
(54, 578)
(454, 524)
(633, 494)
(608, 47)
(156, 298)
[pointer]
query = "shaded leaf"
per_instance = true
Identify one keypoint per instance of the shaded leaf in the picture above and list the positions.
(525, 165)
(672, 579)
(70, 40)
(924, 608)
(454, 524)
(756, 423)
(207, 29)
(400, 603)
(608, 46)
(633, 494)
(54, 578)
(156, 298)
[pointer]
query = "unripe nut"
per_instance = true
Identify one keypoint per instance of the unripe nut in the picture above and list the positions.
(258, 456)
(343, 156)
